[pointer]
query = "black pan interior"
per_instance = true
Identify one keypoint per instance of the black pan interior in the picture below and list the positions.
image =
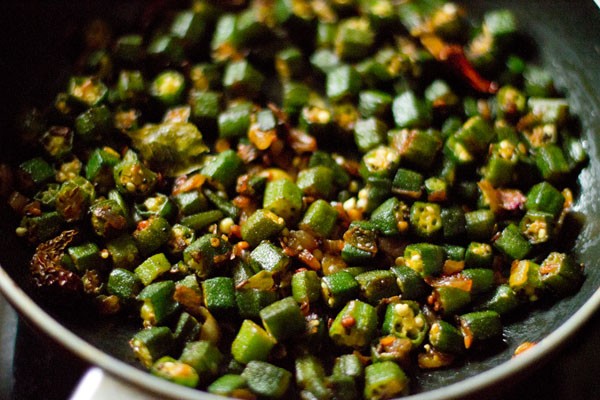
(34, 64)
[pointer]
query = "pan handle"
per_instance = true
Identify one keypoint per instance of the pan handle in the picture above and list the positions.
(98, 385)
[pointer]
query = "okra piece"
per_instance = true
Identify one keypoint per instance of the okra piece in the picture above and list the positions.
(310, 377)
(418, 148)
(132, 177)
(453, 223)
(561, 274)
(187, 328)
(319, 219)
(158, 205)
(374, 103)
(377, 285)
(446, 338)
(123, 252)
(269, 257)
(57, 141)
(86, 256)
(482, 280)
(152, 268)
(99, 168)
(168, 88)
(410, 111)
(404, 319)
(375, 192)
(436, 189)
(205, 107)
(408, 183)
(317, 120)
(384, 380)
(224, 168)
(124, 284)
(150, 344)
(295, 95)
(480, 326)
(158, 303)
(306, 286)
(551, 162)
(355, 326)
(252, 343)
(40, 228)
(525, 279)
(289, 63)
(234, 122)
(241, 79)
(151, 234)
(316, 182)
(93, 123)
(283, 319)
(354, 38)
(224, 205)
(476, 134)
(261, 225)
(479, 255)
(108, 219)
(449, 300)
(360, 244)
(129, 48)
(228, 385)
(130, 86)
(34, 173)
(204, 357)
(480, 224)
(512, 243)
(175, 371)
(87, 91)
(545, 197)
(501, 165)
(457, 152)
(251, 301)
(202, 219)
(348, 365)
(380, 162)
(369, 133)
(391, 348)
(502, 300)
(339, 288)
(425, 219)
(537, 227)
(267, 380)
(189, 26)
(325, 61)
(390, 218)
(284, 198)
(165, 49)
(207, 253)
(411, 284)
(74, 197)
(219, 295)
(342, 83)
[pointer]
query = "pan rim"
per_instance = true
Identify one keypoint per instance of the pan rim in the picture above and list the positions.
(27, 308)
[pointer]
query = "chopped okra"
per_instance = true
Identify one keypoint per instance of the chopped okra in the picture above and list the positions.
(309, 200)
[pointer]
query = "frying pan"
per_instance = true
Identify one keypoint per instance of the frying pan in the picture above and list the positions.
(34, 64)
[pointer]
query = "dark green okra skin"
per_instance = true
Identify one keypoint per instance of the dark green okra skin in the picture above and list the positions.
(479, 326)
(283, 319)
